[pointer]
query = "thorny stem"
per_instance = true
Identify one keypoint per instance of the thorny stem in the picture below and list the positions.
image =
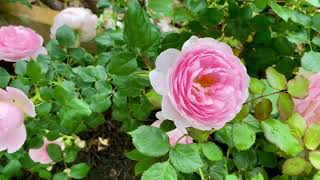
(263, 96)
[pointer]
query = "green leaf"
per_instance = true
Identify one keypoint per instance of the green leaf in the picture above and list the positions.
(167, 126)
(55, 52)
(261, 4)
(298, 87)
(95, 120)
(297, 124)
(100, 103)
(256, 86)
(66, 36)
(245, 159)
(279, 134)
(60, 176)
(293, 166)
(103, 87)
(314, 157)
(315, 3)
(122, 64)
(34, 71)
(143, 165)
(312, 137)
(224, 135)
(4, 77)
(186, 158)
(285, 105)
(11, 168)
(267, 159)
(276, 79)
(316, 22)
(263, 109)
(160, 8)
(243, 136)
(79, 171)
(311, 61)
(157, 143)
(21, 68)
(199, 135)
(283, 12)
(300, 18)
(138, 30)
(196, 5)
(160, 171)
(211, 151)
(103, 4)
(298, 37)
(316, 40)
(231, 177)
(54, 151)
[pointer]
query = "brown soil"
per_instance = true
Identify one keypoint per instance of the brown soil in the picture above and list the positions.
(111, 162)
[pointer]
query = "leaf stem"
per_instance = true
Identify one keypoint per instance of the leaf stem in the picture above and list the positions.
(201, 174)
(264, 96)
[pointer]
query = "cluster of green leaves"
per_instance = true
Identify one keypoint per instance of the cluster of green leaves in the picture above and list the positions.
(77, 89)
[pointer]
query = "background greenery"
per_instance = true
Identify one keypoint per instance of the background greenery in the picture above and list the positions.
(76, 90)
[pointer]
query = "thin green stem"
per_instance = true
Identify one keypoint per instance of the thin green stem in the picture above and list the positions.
(201, 174)
(263, 96)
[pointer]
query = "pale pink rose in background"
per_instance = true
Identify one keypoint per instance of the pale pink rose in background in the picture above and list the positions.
(41, 155)
(203, 86)
(175, 134)
(309, 107)
(13, 104)
(19, 43)
(80, 19)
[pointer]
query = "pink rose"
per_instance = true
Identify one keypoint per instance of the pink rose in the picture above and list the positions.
(13, 104)
(309, 107)
(19, 43)
(41, 155)
(203, 86)
(175, 134)
(80, 19)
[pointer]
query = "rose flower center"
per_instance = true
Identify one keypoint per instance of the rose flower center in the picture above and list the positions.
(206, 80)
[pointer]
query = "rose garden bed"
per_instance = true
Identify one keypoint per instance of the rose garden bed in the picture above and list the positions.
(160, 89)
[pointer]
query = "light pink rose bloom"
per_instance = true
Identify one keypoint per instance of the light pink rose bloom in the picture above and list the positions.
(41, 155)
(13, 104)
(175, 134)
(19, 43)
(80, 19)
(309, 107)
(203, 86)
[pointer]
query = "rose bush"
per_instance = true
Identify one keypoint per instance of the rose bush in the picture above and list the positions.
(174, 77)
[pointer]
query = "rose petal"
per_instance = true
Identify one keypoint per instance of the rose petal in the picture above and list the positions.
(22, 101)
(195, 42)
(14, 140)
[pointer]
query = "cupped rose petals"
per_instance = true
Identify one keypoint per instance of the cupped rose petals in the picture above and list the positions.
(174, 135)
(13, 104)
(20, 43)
(309, 107)
(203, 86)
(79, 19)
(41, 155)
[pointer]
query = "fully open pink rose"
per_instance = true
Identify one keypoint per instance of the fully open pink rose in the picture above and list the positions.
(19, 43)
(174, 135)
(203, 86)
(80, 19)
(13, 104)
(41, 155)
(309, 107)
